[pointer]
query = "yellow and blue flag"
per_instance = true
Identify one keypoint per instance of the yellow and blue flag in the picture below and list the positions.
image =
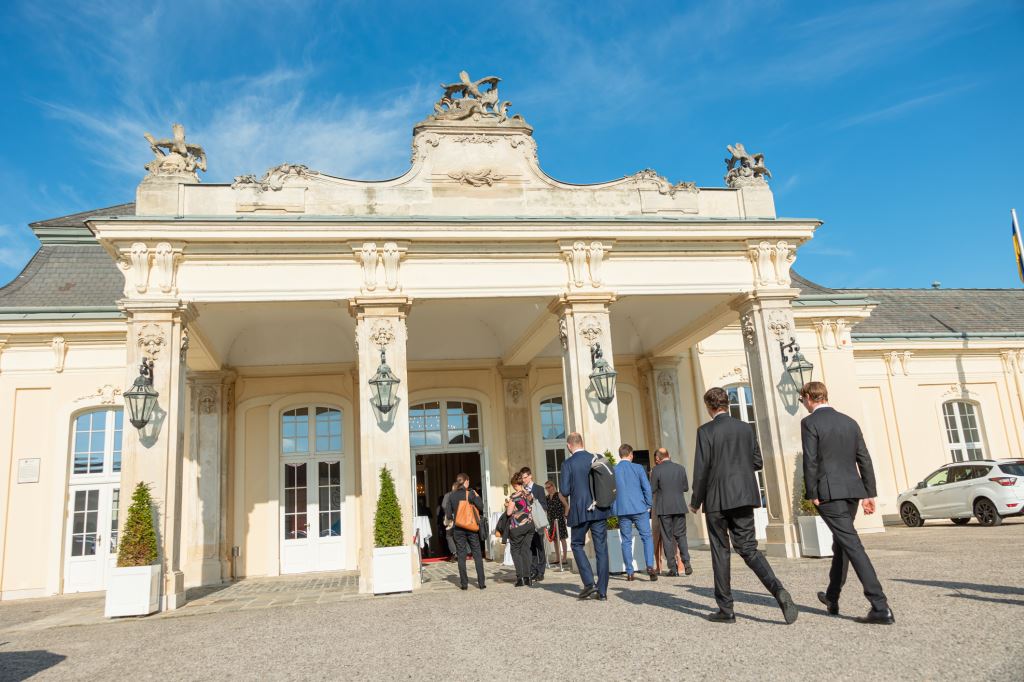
(1018, 245)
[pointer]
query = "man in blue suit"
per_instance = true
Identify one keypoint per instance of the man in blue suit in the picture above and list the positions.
(584, 516)
(633, 507)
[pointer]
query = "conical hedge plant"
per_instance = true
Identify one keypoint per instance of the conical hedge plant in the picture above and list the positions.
(138, 539)
(387, 521)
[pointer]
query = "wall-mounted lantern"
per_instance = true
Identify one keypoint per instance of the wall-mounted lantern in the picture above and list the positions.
(382, 386)
(797, 366)
(602, 379)
(141, 398)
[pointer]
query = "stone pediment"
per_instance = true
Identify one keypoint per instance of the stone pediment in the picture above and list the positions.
(471, 157)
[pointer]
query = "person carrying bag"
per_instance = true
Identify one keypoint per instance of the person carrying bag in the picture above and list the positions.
(466, 512)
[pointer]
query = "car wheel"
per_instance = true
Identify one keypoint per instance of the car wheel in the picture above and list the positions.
(961, 522)
(986, 513)
(910, 515)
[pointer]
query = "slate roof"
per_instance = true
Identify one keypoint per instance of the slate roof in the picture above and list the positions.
(943, 311)
(66, 276)
(78, 219)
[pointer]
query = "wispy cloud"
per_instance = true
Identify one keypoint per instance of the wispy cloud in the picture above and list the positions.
(900, 108)
(14, 252)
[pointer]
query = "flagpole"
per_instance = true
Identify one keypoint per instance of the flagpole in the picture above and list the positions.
(1019, 239)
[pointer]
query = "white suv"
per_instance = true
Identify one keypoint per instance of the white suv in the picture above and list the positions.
(985, 489)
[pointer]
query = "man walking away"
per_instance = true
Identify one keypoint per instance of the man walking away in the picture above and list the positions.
(669, 483)
(837, 475)
(725, 486)
(585, 516)
(537, 553)
(633, 507)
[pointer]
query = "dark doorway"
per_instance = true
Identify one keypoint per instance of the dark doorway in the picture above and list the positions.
(643, 458)
(435, 474)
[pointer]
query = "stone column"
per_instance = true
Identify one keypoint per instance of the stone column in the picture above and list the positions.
(1013, 372)
(766, 318)
(583, 322)
(206, 492)
(518, 437)
(663, 380)
(383, 438)
(154, 454)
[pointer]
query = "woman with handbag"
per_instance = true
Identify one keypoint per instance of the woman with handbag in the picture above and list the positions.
(465, 507)
(521, 529)
(557, 531)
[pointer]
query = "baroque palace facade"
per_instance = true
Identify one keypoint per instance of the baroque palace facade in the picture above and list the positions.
(266, 306)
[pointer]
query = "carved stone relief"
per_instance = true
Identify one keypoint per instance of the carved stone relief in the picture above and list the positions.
(736, 375)
(391, 256)
(107, 395)
(651, 177)
(371, 258)
(175, 156)
(206, 399)
(666, 382)
(368, 258)
(477, 178)
(563, 333)
(183, 351)
(151, 340)
(137, 264)
(959, 390)
(772, 263)
(780, 324)
(585, 263)
(898, 362)
(420, 144)
(749, 330)
(515, 391)
(590, 330)
(1013, 361)
(164, 265)
(274, 179)
(744, 169)
(382, 334)
(60, 350)
(596, 258)
(833, 334)
(577, 258)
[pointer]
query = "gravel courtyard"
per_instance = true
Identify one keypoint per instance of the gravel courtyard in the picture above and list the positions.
(957, 593)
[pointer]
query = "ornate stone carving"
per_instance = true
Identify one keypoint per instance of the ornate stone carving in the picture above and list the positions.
(515, 391)
(749, 330)
(391, 255)
(563, 333)
(382, 334)
(151, 340)
(517, 141)
(183, 351)
(368, 258)
(736, 375)
(468, 99)
(60, 351)
(165, 266)
(206, 399)
(772, 263)
(780, 324)
(420, 144)
(590, 330)
(898, 362)
(744, 169)
(475, 139)
(1013, 361)
(274, 178)
(596, 258)
(476, 178)
(666, 382)
(577, 259)
(959, 390)
(650, 176)
(833, 334)
(136, 265)
(180, 157)
(107, 394)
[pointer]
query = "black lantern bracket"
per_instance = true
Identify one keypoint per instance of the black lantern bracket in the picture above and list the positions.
(382, 386)
(141, 398)
(602, 379)
(799, 368)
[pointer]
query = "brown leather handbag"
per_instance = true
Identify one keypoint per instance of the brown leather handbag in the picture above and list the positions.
(467, 517)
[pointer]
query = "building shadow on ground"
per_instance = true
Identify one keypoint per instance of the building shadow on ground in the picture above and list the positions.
(21, 665)
(973, 587)
(680, 605)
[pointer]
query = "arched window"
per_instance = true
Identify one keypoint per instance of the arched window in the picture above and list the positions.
(552, 433)
(963, 432)
(440, 424)
(311, 445)
(741, 406)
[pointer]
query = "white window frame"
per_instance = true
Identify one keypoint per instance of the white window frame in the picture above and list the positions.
(106, 473)
(445, 446)
(550, 443)
(959, 451)
(745, 406)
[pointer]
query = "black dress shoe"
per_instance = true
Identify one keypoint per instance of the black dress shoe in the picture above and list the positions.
(630, 577)
(463, 587)
(687, 569)
(653, 573)
(789, 610)
(519, 582)
(537, 578)
(721, 617)
(673, 574)
(482, 586)
(831, 606)
(877, 618)
(586, 592)
(528, 581)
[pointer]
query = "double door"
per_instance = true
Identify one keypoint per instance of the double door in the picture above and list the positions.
(311, 515)
(91, 542)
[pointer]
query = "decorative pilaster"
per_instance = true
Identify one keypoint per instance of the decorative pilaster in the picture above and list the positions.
(584, 322)
(383, 437)
(1013, 371)
(766, 319)
(662, 378)
(518, 436)
(206, 479)
(154, 455)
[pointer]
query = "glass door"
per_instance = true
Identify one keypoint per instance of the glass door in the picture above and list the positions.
(92, 537)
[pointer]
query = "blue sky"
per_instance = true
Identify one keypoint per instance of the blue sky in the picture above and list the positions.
(897, 123)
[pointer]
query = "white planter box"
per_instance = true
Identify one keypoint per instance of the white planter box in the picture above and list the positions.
(815, 537)
(615, 564)
(760, 523)
(133, 591)
(392, 569)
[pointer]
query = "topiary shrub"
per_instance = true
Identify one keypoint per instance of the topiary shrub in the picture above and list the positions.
(613, 521)
(387, 520)
(138, 539)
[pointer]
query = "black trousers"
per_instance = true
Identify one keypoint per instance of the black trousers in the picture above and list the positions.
(673, 534)
(538, 561)
(521, 539)
(738, 524)
(847, 549)
(464, 540)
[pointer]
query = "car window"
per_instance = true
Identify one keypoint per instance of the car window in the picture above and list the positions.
(1012, 469)
(938, 478)
(957, 474)
(982, 470)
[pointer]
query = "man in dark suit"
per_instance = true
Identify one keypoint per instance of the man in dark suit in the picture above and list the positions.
(725, 485)
(537, 552)
(837, 475)
(575, 484)
(668, 483)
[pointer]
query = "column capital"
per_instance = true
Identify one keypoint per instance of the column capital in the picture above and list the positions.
(648, 362)
(158, 307)
(747, 302)
(514, 371)
(217, 376)
(596, 299)
(379, 306)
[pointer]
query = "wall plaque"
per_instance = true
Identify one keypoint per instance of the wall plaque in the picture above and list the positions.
(28, 470)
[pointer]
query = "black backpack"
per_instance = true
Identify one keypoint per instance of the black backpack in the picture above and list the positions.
(602, 483)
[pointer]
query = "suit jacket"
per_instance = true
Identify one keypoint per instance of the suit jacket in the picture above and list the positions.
(837, 465)
(669, 482)
(575, 484)
(723, 469)
(632, 490)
